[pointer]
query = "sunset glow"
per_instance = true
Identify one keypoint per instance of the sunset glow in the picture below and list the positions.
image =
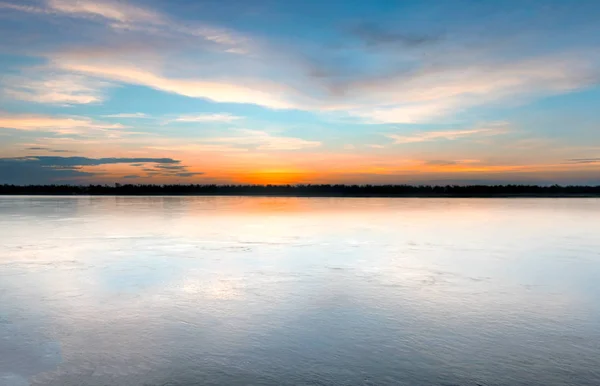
(298, 92)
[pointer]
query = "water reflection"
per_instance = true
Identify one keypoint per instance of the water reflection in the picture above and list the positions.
(191, 290)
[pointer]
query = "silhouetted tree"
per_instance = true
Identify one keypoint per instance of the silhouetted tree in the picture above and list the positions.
(309, 190)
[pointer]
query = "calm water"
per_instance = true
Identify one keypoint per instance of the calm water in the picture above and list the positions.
(299, 291)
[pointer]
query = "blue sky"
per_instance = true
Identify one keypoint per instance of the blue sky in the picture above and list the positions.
(299, 91)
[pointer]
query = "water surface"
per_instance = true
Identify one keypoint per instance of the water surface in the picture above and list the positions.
(299, 291)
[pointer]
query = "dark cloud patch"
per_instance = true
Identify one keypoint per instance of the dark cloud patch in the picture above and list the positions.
(339, 72)
(171, 170)
(170, 167)
(584, 160)
(61, 167)
(54, 161)
(131, 176)
(54, 169)
(19, 171)
(374, 35)
(137, 164)
(37, 148)
(441, 163)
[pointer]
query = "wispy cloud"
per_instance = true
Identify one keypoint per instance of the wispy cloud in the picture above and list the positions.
(450, 162)
(127, 115)
(418, 97)
(45, 123)
(426, 136)
(406, 113)
(390, 87)
(584, 161)
(206, 118)
(375, 35)
(197, 148)
(48, 150)
(433, 87)
(110, 10)
(85, 161)
(23, 8)
(48, 87)
(426, 95)
(262, 140)
(80, 126)
(124, 16)
(264, 94)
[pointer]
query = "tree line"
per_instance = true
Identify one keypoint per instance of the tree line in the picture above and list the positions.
(309, 190)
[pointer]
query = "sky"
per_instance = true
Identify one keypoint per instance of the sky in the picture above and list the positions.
(299, 91)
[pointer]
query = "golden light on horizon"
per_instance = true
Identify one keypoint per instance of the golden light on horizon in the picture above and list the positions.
(276, 177)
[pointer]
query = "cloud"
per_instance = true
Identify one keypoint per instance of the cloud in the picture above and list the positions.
(408, 113)
(124, 16)
(50, 169)
(51, 161)
(206, 118)
(427, 136)
(63, 89)
(127, 115)
(262, 140)
(374, 35)
(451, 162)
(439, 91)
(39, 148)
(170, 167)
(584, 160)
(415, 97)
(111, 10)
(263, 93)
(440, 163)
(201, 148)
(60, 125)
(378, 86)
(189, 174)
(23, 8)
(240, 141)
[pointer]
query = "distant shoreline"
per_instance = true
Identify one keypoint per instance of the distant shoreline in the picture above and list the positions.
(382, 191)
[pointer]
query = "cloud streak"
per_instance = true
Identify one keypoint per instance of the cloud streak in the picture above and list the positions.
(46, 149)
(64, 89)
(416, 97)
(265, 93)
(374, 35)
(41, 122)
(85, 161)
(128, 115)
(428, 136)
(114, 11)
(59, 125)
(123, 16)
(426, 95)
(584, 161)
(206, 118)
(262, 140)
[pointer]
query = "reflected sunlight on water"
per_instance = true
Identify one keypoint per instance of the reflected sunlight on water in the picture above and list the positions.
(330, 291)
